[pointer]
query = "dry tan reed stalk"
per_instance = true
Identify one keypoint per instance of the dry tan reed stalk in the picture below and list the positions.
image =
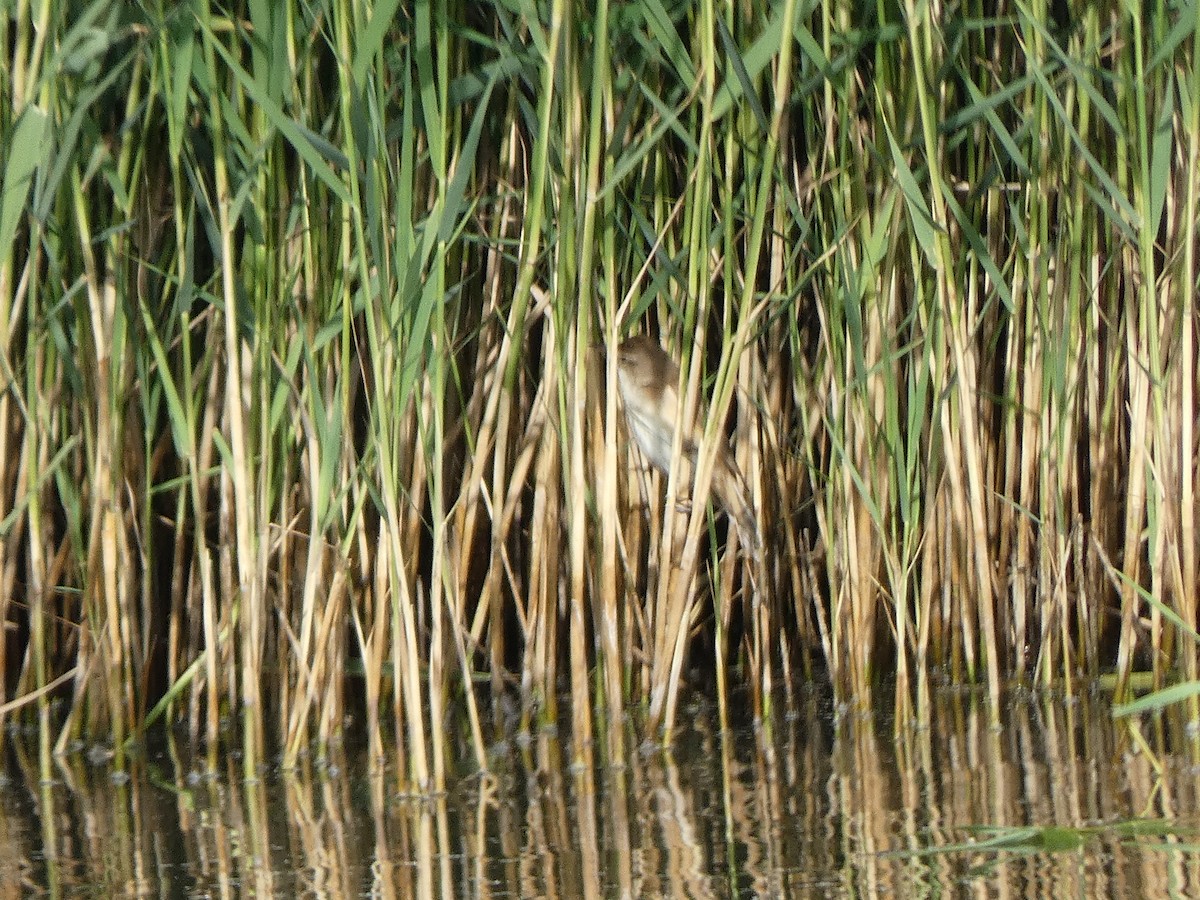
(1023, 432)
(540, 674)
(1187, 446)
(107, 600)
(609, 592)
(331, 703)
(673, 600)
(480, 421)
(213, 648)
(35, 664)
(567, 511)
(1138, 403)
(10, 459)
(373, 643)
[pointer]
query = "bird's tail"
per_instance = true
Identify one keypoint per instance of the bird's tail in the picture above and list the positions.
(731, 491)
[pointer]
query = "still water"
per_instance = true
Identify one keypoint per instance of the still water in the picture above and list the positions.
(1059, 802)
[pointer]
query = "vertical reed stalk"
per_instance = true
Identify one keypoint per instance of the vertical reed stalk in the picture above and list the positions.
(1187, 368)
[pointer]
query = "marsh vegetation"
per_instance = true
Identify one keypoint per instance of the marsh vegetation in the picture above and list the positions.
(297, 309)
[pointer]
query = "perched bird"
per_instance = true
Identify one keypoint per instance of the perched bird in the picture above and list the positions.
(648, 380)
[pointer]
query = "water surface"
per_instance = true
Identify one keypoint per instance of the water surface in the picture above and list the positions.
(1058, 802)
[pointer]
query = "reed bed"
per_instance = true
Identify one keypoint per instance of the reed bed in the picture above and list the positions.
(304, 416)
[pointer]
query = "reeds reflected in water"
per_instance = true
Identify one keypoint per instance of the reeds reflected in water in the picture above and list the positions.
(817, 806)
(295, 418)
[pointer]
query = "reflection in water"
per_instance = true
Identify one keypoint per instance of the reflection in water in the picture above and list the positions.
(811, 808)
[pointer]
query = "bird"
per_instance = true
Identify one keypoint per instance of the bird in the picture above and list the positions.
(648, 381)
